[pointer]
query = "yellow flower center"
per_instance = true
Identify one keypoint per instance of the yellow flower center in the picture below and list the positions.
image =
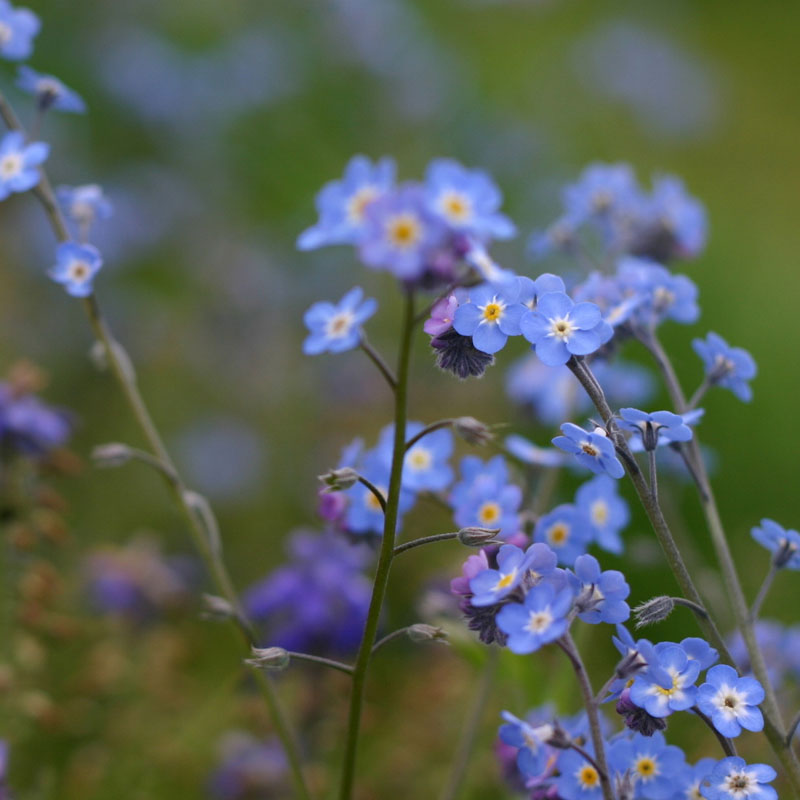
(599, 512)
(358, 202)
(404, 231)
(561, 328)
(589, 449)
(10, 165)
(493, 311)
(506, 580)
(339, 325)
(558, 534)
(419, 458)
(489, 512)
(539, 621)
(646, 767)
(587, 776)
(455, 206)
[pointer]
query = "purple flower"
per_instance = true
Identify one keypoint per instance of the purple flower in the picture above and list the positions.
(249, 768)
(592, 450)
(29, 426)
(442, 314)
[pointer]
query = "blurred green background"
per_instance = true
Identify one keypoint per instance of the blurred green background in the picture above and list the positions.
(212, 125)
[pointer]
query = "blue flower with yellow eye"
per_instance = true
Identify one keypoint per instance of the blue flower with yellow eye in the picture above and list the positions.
(467, 200)
(579, 778)
(653, 764)
(342, 204)
(425, 467)
(606, 511)
(667, 684)
(566, 531)
(337, 328)
(490, 317)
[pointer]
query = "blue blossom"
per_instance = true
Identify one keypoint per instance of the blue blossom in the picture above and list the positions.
(75, 267)
(636, 655)
(783, 544)
(561, 235)
(566, 531)
(491, 315)
(18, 27)
(342, 204)
(484, 498)
(337, 328)
(530, 290)
(560, 328)
(514, 567)
(692, 777)
(653, 764)
(600, 595)
(651, 427)
(532, 454)
(726, 366)
(535, 756)
(400, 233)
(730, 701)
(425, 467)
(667, 684)
(606, 511)
(601, 190)
(27, 425)
(734, 779)
(579, 778)
(467, 200)
(19, 162)
(662, 294)
(592, 450)
(678, 224)
(49, 91)
(701, 651)
(541, 618)
(84, 204)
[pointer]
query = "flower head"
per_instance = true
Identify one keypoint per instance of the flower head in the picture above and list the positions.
(248, 767)
(425, 467)
(606, 511)
(491, 315)
(441, 318)
(19, 162)
(565, 530)
(337, 328)
(560, 328)
(662, 295)
(515, 567)
(651, 762)
(600, 596)
(342, 204)
(726, 366)
(592, 450)
(535, 758)
(650, 426)
(75, 267)
(84, 204)
(579, 778)
(541, 618)
(49, 91)
(18, 27)
(667, 684)
(783, 544)
(731, 702)
(734, 779)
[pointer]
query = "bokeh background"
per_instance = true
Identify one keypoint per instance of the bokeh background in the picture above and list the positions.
(211, 126)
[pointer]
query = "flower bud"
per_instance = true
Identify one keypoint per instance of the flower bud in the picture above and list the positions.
(654, 610)
(217, 608)
(426, 633)
(784, 554)
(472, 430)
(113, 454)
(477, 537)
(337, 480)
(272, 658)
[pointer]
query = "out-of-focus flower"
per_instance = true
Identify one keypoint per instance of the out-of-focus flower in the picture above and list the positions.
(18, 27)
(49, 91)
(336, 328)
(726, 366)
(566, 531)
(84, 205)
(19, 161)
(29, 426)
(75, 267)
(249, 769)
(783, 544)
(606, 511)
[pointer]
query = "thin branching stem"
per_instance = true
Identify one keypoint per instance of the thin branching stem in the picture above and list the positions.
(763, 591)
(437, 537)
(325, 662)
(727, 745)
(377, 359)
(374, 491)
(434, 426)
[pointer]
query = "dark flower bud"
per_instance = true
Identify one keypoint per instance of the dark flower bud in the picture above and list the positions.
(477, 537)
(272, 658)
(784, 554)
(559, 738)
(637, 719)
(654, 610)
(472, 430)
(337, 480)
(456, 353)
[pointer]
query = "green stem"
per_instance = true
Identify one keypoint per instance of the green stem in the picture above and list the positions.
(438, 537)
(325, 662)
(469, 734)
(376, 358)
(386, 553)
(773, 723)
(762, 592)
(198, 519)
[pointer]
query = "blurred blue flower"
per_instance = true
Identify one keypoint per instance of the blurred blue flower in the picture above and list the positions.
(490, 316)
(566, 531)
(249, 768)
(467, 200)
(534, 756)
(606, 511)
(595, 450)
(342, 204)
(336, 328)
(75, 267)
(28, 426)
(49, 91)
(19, 162)
(532, 454)
(783, 544)
(730, 701)
(540, 619)
(18, 27)
(316, 602)
(85, 204)
(663, 294)
(426, 465)
(602, 192)
(513, 568)
(726, 366)
(700, 650)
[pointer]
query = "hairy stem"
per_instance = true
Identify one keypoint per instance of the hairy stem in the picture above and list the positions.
(386, 553)
(438, 537)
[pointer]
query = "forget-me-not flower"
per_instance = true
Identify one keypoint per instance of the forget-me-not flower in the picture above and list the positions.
(49, 91)
(734, 779)
(75, 267)
(600, 595)
(667, 684)
(662, 294)
(514, 567)
(726, 366)
(535, 756)
(592, 450)
(650, 426)
(579, 778)
(425, 467)
(783, 544)
(566, 531)
(541, 618)
(653, 764)
(730, 701)
(18, 27)
(490, 317)
(19, 163)
(84, 204)
(336, 328)
(606, 511)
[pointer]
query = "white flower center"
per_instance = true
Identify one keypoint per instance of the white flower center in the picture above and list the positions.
(419, 458)
(561, 328)
(10, 165)
(358, 202)
(599, 512)
(5, 33)
(730, 701)
(739, 784)
(79, 271)
(455, 206)
(48, 86)
(403, 230)
(539, 621)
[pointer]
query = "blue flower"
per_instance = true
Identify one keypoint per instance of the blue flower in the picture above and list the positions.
(514, 567)
(342, 204)
(579, 778)
(680, 217)
(529, 453)
(734, 779)
(560, 328)
(467, 200)
(400, 233)
(535, 755)
(601, 190)
(75, 268)
(248, 767)
(600, 595)
(337, 328)
(565, 530)
(18, 27)
(19, 163)
(653, 764)
(701, 651)
(84, 204)
(49, 91)
(490, 317)
(425, 467)
(667, 684)
(592, 450)
(530, 290)
(561, 235)
(662, 294)
(731, 702)
(484, 498)
(726, 366)
(783, 544)
(540, 619)
(692, 778)
(650, 426)
(606, 511)
(28, 425)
